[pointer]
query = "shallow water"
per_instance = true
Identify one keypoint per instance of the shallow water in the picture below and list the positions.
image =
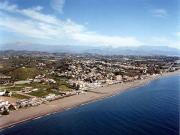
(152, 109)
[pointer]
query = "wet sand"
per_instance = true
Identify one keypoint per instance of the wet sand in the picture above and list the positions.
(22, 115)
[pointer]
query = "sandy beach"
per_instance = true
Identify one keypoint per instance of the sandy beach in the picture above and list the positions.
(22, 115)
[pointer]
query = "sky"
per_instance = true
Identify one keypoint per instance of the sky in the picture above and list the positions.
(115, 23)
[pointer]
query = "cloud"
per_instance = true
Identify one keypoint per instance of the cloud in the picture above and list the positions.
(33, 13)
(164, 41)
(31, 22)
(5, 6)
(177, 34)
(58, 5)
(160, 40)
(159, 13)
(114, 41)
(38, 8)
(176, 44)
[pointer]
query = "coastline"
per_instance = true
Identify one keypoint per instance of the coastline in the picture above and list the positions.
(60, 105)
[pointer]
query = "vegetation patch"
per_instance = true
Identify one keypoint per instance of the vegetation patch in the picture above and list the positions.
(19, 96)
(40, 93)
(24, 73)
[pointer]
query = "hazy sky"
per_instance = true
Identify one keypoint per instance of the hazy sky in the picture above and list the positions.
(90, 22)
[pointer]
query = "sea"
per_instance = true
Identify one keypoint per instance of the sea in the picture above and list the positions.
(152, 109)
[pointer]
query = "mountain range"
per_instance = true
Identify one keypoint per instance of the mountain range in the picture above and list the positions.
(103, 50)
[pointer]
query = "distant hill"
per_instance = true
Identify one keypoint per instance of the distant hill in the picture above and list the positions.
(141, 50)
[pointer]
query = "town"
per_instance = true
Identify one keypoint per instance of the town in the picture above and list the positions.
(30, 78)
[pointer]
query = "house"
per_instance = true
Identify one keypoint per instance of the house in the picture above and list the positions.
(29, 102)
(5, 107)
(127, 78)
(118, 78)
(6, 93)
(23, 82)
(5, 79)
(2, 93)
(50, 97)
(3, 103)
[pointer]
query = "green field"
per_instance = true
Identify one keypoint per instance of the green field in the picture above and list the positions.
(19, 96)
(41, 93)
(43, 88)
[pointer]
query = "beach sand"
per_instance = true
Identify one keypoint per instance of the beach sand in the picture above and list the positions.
(30, 113)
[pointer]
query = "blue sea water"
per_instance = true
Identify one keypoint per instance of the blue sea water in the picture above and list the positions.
(152, 109)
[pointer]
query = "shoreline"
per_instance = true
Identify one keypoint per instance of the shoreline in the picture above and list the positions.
(53, 107)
